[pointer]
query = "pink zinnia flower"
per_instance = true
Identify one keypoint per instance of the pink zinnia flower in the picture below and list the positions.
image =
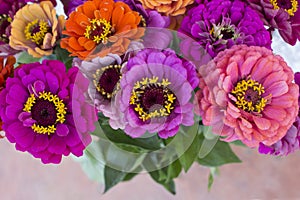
(247, 94)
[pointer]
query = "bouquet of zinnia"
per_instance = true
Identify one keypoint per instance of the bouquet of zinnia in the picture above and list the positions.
(133, 86)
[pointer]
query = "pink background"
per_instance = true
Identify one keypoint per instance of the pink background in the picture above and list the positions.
(258, 177)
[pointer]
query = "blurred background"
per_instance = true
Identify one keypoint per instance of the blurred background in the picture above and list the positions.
(258, 177)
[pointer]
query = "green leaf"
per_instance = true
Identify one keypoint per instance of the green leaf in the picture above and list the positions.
(173, 170)
(238, 143)
(118, 136)
(212, 174)
(191, 154)
(24, 57)
(220, 154)
(64, 56)
(112, 177)
(160, 176)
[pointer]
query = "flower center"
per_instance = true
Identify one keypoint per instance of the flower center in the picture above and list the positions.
(152, 99)
(290, 6)
(98, 31)
(224, 31)
(47, 110)
(106, 80)
(36, 31)
(248, 95)
(5, 21)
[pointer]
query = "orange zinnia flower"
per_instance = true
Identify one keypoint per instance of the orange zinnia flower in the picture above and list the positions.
(6, 70)
(99, 27)
(167, 7)
(36, 28)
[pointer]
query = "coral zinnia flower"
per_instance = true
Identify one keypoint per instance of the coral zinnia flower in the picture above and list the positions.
(99, 27)
(6, 70)
(218, 25)
(36, 28)
(247, 93)
(291, 141)
(44, 112)
(167, 7)
(155, 93)
(283, 15)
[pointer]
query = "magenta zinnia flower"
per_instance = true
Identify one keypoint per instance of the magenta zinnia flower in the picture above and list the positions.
(155, 93)
(247, 93)
(291, 141)
(44, 112)
(283, 15)
(218, 25)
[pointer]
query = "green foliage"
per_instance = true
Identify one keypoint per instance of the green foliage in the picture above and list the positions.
(64, 56)
(119, 157)
(24, 57)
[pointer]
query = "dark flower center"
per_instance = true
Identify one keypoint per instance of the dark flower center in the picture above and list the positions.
(290, 6)
(44, 112)
(248, 94)
(5, 21)
(47, 110)
(285, 4)
(106, 80)
(227, 34)
(151, 98)
(98, 31)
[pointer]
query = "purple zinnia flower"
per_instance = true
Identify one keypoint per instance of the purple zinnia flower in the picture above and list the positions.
(156, 92)
(218, 25)
(104, 75)
(71, 5)
(291, 141)
(283, 15)
(44, 112)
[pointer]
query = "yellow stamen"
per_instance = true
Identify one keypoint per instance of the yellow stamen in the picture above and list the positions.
(240, 92)
(59, 107)
(104, 29)
(291, 11)
(36, 37)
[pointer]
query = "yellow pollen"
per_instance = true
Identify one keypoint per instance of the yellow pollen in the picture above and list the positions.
(138, 92)
(98, 30)
(291, 11)
(36, 36)
(248, 95)
(59, 107)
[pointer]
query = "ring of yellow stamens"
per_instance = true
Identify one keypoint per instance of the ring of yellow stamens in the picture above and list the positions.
(6, 20)
(291, 11)
(38, 36)
(97, 76)
(256, 103)
(92, 30)
(59, 107)
(160, 111)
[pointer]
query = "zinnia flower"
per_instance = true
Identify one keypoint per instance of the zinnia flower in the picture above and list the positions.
(104, 75)
(71, 5)
(44, 112)
(155, 93)
(6, 70)
(283, 15)
(291, 141)
(99, 27)
(247, 93)
(8, 10)
(218, 25)
(167, 7)
(36, 29)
